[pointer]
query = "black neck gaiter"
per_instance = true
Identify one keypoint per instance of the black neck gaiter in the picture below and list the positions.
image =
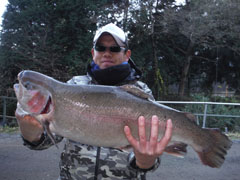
(112, 75)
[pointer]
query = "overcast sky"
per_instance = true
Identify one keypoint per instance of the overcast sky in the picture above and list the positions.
(2, 9)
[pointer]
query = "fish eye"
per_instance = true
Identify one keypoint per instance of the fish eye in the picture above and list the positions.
(28, 85)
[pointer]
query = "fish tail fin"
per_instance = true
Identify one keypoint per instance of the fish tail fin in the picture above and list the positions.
(214, 154)
(176, 149)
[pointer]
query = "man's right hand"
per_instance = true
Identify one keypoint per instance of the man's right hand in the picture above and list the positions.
(30, 128)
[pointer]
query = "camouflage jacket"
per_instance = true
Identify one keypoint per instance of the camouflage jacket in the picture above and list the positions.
(80, 161)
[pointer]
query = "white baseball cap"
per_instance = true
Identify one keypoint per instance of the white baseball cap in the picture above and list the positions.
(115, 31)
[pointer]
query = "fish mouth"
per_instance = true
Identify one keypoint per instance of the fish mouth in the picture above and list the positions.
(20, 75)
(33, 92)
(40, 101)
(48, 107)
(37, 103)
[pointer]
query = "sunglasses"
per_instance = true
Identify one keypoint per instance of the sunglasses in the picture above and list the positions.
(111, 48)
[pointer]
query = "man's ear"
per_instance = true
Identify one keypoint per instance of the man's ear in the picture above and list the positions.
(128, 54)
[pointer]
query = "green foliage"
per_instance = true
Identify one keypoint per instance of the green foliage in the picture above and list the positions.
(234, 135)
(233, 124)
(8, 129)
(55, 38)
(10, 111)
(208, 29)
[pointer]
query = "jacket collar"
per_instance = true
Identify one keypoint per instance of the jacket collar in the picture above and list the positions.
(133, 75)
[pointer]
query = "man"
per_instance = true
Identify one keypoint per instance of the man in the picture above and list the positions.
(111, 65)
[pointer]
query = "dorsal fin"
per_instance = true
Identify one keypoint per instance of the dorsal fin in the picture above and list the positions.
(134, 90)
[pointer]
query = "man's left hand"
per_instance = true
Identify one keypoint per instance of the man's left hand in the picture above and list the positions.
(147, 151)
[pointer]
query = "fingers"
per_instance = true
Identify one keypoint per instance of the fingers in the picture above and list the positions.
(28, 120)
(129, 137)
(167, 136)
(154, 134)
(147, 150)
(151, 146)
(142, 133)
(142, 142)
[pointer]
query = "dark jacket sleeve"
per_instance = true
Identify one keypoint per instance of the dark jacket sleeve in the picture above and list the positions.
(44, 142)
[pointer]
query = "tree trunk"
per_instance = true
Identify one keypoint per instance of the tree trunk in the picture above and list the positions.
(158, 87)
(125, 16)
(185, 70)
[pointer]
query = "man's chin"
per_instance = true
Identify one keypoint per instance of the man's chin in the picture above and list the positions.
(106, 65)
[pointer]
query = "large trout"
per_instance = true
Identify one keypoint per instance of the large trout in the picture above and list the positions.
(96, 115)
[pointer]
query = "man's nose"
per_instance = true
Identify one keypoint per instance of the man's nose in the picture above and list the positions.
(107, 52)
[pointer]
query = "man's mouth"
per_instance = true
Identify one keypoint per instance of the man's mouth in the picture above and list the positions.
(107, 61)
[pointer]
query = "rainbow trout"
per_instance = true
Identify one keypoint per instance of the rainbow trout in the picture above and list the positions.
(96, 115)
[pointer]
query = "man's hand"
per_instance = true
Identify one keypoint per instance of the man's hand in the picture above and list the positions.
(30, 128)
(146, 151)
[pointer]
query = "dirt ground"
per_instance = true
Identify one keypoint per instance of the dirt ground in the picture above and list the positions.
(19, 163)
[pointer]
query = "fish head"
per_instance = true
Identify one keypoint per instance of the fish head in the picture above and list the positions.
(33, 97)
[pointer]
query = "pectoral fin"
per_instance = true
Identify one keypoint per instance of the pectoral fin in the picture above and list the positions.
(49, 133)
(42, 118)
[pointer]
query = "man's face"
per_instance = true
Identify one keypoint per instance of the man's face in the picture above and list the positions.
(107, 58)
